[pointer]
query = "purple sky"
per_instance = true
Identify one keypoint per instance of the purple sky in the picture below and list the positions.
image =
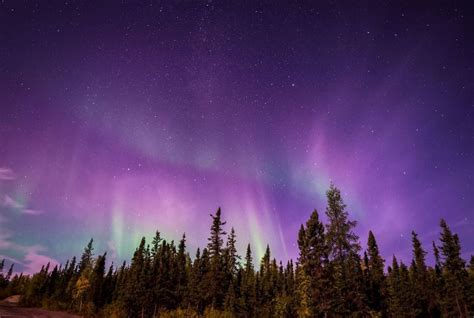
(120, 119)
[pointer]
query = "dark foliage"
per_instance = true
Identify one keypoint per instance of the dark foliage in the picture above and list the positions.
(330, 278)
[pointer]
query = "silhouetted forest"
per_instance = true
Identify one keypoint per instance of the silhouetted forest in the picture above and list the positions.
(333, 277)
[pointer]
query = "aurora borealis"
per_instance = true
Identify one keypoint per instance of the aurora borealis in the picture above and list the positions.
(121, 118)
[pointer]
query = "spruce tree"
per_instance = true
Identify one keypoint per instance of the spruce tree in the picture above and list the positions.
(182, 286)
(97, 282)
(376, 277)
(135, 295)
(266, 286)
(248, 292)
(303, 293)
(86, 258)
(343, 247)
(313, 260)
(421, 286)
(454, 273)
(399, 301)
(217, 286)
(232, 258)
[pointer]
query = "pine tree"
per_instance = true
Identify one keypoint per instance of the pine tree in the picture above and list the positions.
(82, 289)
(86, 258)
(343, 247)
(405, 292)
(313, 260)
(136, 289)
(215, 240)
(420, 278)
(155, 244)
(376, 277)
(248, 292)
(52, 282)
(64, 293)
(215, 245)
(182, 271)
(265, 287)
(232, 258)
(454, 273)
(399, 301)
(303, 293)
(109, 285)
(195, 278)
(97, 282)
(207, 280)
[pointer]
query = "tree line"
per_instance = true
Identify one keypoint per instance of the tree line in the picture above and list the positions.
(331, 278)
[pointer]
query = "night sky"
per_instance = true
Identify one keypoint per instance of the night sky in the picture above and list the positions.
(121, 118)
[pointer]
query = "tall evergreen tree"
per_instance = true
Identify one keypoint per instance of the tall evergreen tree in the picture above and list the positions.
(454, 273)
(247, 289)
(313, 260)
(97, 282)
(343, 247)
(135, 295)
(232, 258)
(420, 278)
(400, 297)
(182, 271)
(87, 256)
(215, 245)
(376, 277)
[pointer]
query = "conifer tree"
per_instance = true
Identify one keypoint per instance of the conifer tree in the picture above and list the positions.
(182, 271)
(454, 273)
(376, 277)
(97, 282)
(109, 285)
(207, 280)
(82, 289)
(398, 286)
(248, 292)
(421, 287)
(265, 287)
(343, 247)
(232, 258)
(217, 284)
(86, 258)
(155, 244)
(135, 284)
(313, 260)
(195, 277)
(303, 293)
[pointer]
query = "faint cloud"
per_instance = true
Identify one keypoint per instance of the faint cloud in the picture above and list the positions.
(9, 202)
(31, 257)
(6, 174)
(5, 242)
(32, 212)
(34, 260)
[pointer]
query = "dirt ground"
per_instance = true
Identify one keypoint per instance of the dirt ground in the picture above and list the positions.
(8, 310)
